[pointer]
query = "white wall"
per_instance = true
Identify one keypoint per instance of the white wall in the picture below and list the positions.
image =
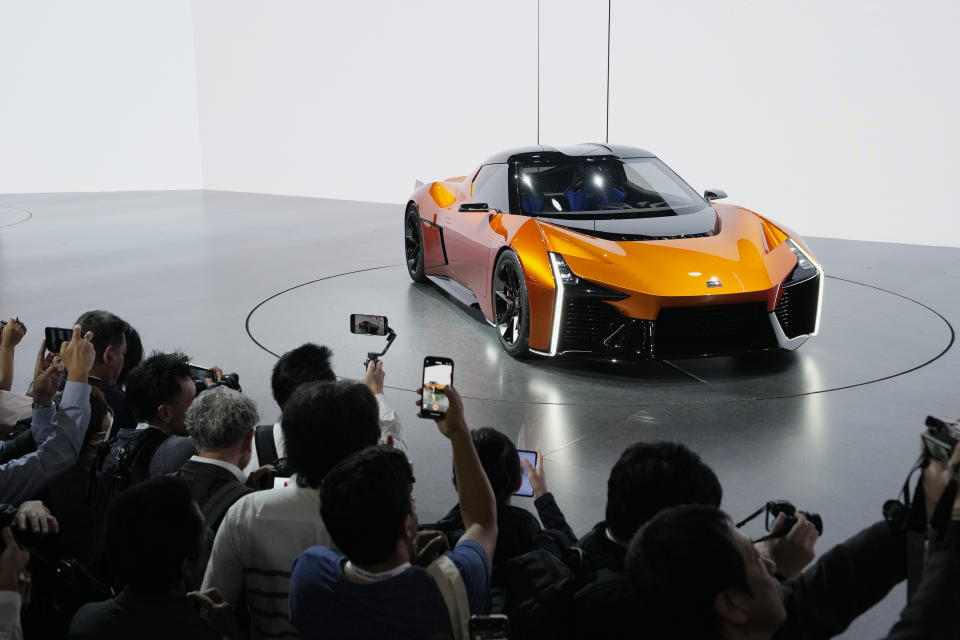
(358, 100)
(834, 118)
(97, 95)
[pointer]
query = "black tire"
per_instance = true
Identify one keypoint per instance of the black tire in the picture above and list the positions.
(511, 308)
(413, 243)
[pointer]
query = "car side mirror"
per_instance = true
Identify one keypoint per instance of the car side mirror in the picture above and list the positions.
(714, 194)
(474, 206)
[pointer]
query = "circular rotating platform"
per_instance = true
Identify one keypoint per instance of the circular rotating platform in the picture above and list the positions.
(867, 334)
(10, 216)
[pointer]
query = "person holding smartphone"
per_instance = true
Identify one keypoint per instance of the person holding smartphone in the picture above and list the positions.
(367, 587)
(519, 530)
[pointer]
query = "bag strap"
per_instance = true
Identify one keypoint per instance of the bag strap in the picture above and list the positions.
(445, 573)
(216, 507)
(266, 445)
(141, 453)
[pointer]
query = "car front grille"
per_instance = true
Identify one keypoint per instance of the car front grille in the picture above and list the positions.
(797, 307)
(699, 331)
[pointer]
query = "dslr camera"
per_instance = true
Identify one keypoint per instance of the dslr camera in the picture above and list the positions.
(200, 375)
(940, 437)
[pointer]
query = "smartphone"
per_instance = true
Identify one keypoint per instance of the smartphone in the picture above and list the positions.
(279, 482)
(437, 376)
(55, 337)
(526, 489)
(201, 373)
(368, 325)
(495, 626)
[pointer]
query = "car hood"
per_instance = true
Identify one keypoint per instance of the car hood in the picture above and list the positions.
(736, 255)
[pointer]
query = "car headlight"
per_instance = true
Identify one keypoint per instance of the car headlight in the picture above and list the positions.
(806, 267)
(567, 277)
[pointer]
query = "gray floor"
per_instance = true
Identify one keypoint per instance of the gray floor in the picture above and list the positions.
(231, 277)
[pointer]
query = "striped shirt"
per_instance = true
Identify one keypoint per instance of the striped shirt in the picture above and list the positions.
(260, 537)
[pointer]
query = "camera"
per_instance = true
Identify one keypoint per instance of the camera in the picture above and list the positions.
(200, 375)
(940, 438)
(776, 507)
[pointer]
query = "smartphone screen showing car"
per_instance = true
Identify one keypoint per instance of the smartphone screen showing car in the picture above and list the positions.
(437, 376)
(526, 489)
(56, 336)
(368, 325)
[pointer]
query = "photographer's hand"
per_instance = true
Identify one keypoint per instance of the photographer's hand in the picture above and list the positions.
(793, 551)
(538, 479)
(936, 477)
(13, 567)
(46, 377)
(78, 355)
(10, 337)
(12, 334)
(453, 423)
(262, 477)
(218, 613)
(34, 513)
(374, 376)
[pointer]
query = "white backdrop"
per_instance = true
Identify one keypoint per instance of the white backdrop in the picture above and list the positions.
(359, 100)
(97, 95)
(837, 119)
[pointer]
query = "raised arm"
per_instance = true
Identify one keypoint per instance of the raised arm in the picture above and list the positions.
(22, 478)
(10, 337)
(477, 503)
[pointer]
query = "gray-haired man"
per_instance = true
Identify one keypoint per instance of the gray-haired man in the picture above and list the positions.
(221, 423)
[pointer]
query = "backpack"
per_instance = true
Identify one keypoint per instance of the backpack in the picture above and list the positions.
(133, 466)
(536, 591)
(266, 445)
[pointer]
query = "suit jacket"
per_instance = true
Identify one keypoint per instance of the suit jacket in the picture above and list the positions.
(205, 480)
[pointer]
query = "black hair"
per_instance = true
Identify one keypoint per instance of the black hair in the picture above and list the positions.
(155, 382)
(323, 423)
(108, 329)
(651, 476)
(307, 363)
(500, 461)
(679, 562)
(133, 357)
(364, 501)
(151, 528)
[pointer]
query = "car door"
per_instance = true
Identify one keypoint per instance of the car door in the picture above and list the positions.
(468, 235)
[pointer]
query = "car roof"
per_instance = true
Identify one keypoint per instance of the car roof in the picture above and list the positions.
(577, 150)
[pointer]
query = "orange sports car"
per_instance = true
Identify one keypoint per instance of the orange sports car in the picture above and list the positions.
(602, 249)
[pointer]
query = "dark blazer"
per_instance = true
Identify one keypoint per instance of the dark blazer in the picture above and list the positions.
(205, 480)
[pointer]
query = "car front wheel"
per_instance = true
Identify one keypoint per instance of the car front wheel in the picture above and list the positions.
(413, 244)
(511, 309)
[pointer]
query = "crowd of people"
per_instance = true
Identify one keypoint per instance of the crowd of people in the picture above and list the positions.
(139, 500)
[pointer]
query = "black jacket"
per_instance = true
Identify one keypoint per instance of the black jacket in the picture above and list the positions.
(856, 574)
(517, 529)
(601, 551)
(206, 480)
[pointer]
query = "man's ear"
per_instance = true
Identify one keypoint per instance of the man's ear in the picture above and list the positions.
(107, 354)
(163, 413)
(248, 444)
(729, 607)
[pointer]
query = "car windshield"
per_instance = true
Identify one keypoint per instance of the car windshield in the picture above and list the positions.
(605, 185)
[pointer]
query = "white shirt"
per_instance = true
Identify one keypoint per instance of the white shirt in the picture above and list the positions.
(229, 466)
(260, 537)
(14, 407)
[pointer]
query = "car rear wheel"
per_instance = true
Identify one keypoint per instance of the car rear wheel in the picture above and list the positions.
(511, 310)
(413, 244)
